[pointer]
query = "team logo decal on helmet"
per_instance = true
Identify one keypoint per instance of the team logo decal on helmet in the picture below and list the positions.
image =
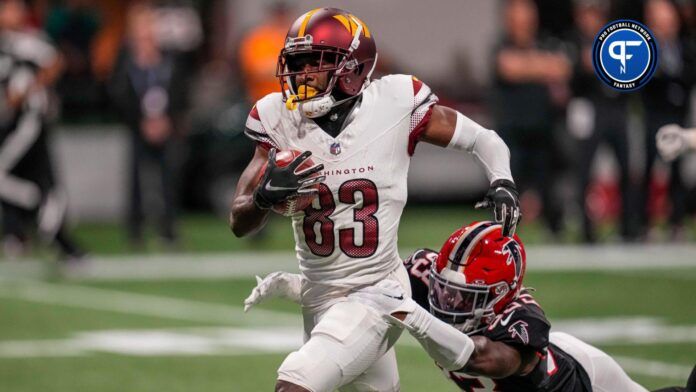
(513, 250)
(327, 40)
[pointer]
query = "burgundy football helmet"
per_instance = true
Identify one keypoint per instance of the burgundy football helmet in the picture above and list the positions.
(339, 43)
(477, 274)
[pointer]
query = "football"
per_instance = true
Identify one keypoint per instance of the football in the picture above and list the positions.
(296, 204)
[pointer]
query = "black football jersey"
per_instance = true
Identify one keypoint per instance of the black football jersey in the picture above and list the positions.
(523, 325)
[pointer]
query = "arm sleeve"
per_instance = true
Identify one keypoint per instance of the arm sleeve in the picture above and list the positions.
(256, 131)
(448, 346)
(485, 144)
(423, 102)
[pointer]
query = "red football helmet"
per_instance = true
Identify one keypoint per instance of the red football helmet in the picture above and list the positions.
(341, 42)
(477, 274)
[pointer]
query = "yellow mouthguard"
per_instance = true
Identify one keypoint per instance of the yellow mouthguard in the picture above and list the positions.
(303, 92)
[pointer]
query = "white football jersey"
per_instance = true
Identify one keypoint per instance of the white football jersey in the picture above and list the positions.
(348, 236)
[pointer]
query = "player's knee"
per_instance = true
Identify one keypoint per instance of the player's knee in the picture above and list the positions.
(287, 386)
(310, 369)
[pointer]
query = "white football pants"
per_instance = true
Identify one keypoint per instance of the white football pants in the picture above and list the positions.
(605, 374)
(348, 346)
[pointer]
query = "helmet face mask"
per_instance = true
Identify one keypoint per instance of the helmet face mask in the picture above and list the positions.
(292, 64)
(466, 306)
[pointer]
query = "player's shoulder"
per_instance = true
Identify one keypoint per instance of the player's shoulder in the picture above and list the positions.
(521, 323)
(270, 105)
(401, 84)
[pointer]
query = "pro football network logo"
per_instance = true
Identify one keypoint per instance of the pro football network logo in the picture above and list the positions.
(624, 55)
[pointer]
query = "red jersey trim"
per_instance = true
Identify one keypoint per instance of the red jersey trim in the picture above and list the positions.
(417, 84)
(414, 136)
(254, 113)
(264, 145)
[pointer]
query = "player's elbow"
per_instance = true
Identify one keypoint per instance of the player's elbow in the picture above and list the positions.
(489, 368)
(236, 227)
(235, 223)
(495, 141)
(245, 220)
(490, 360)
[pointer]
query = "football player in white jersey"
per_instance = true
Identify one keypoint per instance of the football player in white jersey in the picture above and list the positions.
(361, 133)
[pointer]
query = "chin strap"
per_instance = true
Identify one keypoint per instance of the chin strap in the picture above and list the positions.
(310, 108)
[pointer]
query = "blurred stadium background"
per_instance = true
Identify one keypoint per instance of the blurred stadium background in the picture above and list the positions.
(159, 306)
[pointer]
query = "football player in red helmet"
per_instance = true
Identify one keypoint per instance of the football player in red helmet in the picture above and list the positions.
(474, 285)
(361, 133)
(484, 328)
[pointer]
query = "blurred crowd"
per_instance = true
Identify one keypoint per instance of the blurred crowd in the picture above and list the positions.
(554, 113)
(171, 72)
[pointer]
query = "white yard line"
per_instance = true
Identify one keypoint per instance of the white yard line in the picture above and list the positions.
(247, 264)
(140, 304)
(654, 368)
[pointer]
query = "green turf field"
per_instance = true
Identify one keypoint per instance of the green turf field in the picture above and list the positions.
(151, 333)
(185, 335)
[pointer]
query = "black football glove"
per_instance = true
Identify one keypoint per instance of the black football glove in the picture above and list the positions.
(503, 198)
(281, 183)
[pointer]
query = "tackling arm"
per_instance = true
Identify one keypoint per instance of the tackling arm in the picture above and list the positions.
(497, 360)
(454, 350)
(448, 346)
(245, 216)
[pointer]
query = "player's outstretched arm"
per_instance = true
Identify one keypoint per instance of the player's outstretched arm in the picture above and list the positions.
(451, 129)
(448, 346)
(497, 360)
(245, 216)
